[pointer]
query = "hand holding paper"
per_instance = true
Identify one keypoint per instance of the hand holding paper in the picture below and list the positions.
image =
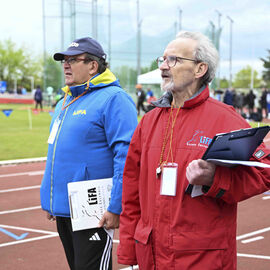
(109, 220)
(200, 172)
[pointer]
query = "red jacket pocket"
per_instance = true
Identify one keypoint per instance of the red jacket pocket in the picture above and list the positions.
(142, 232)
(201, 240)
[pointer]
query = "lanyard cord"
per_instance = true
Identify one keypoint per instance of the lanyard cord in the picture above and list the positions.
(82, 94)
(165, 140)
(166, 137)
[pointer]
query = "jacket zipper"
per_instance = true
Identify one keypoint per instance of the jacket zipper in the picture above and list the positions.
(54, 149)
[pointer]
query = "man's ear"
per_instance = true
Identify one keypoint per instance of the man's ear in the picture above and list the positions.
(200, 70)
(93, 68)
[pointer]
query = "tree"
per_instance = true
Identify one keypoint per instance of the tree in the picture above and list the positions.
(266, 72)
(53, 73)
(224, 83)
(128, 75)
(18, 65)
(243, 78)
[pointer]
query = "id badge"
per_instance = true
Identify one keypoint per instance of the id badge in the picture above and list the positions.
(169, 179)
(53, 132)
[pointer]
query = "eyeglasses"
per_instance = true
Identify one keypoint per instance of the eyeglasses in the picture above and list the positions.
(73, 60)
(172, 60)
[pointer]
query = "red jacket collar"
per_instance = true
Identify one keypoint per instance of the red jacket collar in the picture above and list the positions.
(197, 99)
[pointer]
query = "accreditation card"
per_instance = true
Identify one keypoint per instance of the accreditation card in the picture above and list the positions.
(54, 129)
(169, 179)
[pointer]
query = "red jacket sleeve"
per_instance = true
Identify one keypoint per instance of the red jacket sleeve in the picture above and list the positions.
(242, 182)
(130, 201)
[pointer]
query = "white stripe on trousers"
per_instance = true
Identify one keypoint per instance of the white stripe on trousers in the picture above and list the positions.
(105, 259)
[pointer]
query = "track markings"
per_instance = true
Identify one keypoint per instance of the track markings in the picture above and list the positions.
(28, 229)
(13, 235)
(252, 239)
(18, 189)
(252, 233)
(22, 173)
(253, 256)
(27, 240)
(20, 210)
(49, 234)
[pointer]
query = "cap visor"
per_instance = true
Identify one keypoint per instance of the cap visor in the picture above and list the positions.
(61, 56)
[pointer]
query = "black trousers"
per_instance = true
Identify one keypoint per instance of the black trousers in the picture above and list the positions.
(86, 249)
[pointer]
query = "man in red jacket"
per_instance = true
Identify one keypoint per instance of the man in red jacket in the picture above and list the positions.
(161, 225)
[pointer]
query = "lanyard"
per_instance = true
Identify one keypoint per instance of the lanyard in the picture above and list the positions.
(167, 136)
(82, 94)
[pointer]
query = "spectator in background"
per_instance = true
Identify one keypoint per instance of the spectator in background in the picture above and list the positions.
(149, 93)
(38, 97)
(228, 97)
(268, 104)
(241, 102)
(150, 98)
(263, 103)
(24, 91)
(50, 95)
(140, 98)
(251, 101)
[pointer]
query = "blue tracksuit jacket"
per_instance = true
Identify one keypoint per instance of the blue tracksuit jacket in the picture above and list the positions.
(91, 142)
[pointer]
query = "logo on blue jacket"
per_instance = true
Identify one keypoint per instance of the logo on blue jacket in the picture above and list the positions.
(79, 112)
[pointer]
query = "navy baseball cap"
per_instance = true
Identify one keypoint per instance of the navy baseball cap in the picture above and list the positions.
(82, 45)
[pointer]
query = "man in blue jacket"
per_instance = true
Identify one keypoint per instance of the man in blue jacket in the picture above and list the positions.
(89, 139)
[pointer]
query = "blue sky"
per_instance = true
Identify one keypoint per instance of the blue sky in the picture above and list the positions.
(22, 22)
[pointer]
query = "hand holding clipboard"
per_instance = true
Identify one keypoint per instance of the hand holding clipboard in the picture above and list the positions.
(235, 148)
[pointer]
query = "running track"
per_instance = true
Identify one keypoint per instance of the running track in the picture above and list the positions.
(28, 241)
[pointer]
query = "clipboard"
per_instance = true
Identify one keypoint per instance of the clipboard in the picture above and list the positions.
(238, 146)
(88, 200)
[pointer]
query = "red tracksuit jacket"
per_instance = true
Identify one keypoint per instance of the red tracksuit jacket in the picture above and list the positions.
(180, 232)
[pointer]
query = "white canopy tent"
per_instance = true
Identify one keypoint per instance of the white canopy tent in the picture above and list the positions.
(152, 77)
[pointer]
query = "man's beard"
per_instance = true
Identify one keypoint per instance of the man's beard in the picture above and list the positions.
(167, 87)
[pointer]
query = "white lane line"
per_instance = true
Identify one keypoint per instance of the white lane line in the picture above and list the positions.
(253, 256)
(18, 189)
(253, 233)
(27, 240)
(28, 229)
(266, 197)
(19, 210)
(22, 173)
(252, 239)
(21, 161)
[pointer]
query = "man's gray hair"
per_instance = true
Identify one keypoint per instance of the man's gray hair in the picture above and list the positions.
(102, 64)
(204, 52)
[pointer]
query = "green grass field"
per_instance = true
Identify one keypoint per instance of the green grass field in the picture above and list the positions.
(18, 141)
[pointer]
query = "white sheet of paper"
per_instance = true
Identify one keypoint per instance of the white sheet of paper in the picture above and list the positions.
(231, 163)
(196, 191)
(88, 200)
(110, 232)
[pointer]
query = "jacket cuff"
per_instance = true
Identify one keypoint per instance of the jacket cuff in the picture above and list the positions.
(221, 183)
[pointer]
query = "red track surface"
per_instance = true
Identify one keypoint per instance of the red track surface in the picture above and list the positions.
(33, 252)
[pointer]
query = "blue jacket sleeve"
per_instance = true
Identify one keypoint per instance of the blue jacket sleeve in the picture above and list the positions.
(120, 121)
